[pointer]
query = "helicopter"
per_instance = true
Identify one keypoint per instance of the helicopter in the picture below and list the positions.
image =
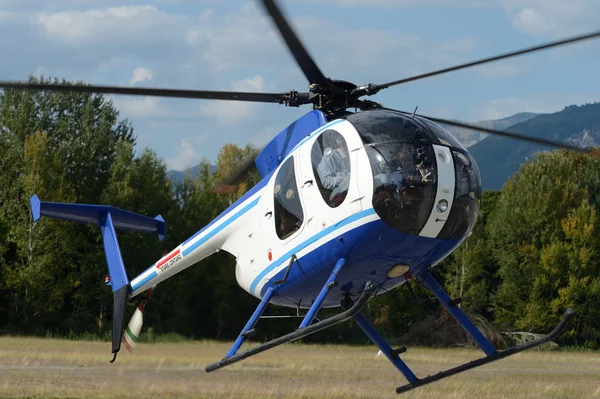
(355, 200)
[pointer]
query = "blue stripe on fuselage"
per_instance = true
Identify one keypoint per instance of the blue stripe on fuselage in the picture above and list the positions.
(144, 280)
(232, 207)
(209, 235)
(307, 242)
(226, 223)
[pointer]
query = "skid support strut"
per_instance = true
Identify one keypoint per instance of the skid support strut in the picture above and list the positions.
(249, 327)
(300, 332)
(491, 353)
(392, 354)
(316, 306)
(437, 290)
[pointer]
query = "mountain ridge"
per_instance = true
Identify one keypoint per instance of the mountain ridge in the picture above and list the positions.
(467, 137)
(499, 158)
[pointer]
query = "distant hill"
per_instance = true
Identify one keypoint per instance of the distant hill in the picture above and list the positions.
(499, 158)
(177, 175)
(468, 137)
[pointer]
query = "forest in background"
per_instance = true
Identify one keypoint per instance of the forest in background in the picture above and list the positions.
(534, 250)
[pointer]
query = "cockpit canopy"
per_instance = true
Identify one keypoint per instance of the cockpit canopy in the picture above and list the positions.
(405, 172)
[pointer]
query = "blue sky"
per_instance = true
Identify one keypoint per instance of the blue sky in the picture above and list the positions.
(231, 45)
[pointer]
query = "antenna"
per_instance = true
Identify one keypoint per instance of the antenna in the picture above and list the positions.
(414, 112)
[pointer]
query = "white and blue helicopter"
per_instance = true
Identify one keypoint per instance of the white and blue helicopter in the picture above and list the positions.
(350, 205)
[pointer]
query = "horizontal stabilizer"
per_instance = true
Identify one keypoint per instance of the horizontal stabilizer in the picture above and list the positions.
(87, 213)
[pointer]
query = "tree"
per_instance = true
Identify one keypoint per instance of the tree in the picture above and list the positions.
(542, 234)
(60, 146)
(206, 296)
(470, 272)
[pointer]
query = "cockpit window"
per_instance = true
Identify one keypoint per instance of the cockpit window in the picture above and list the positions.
(386, 126)
(400, 149)
(331, 166)
(288, 208)
(442, 134)
(467, 193)
(404, 183)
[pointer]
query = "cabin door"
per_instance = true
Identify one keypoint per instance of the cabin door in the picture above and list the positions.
(328, 177)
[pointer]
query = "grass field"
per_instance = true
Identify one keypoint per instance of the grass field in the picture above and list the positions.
(59, 369)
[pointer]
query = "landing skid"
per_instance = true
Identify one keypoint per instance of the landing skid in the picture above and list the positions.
(301, 332)
(353, 311)
(452, 306)
(558, 330)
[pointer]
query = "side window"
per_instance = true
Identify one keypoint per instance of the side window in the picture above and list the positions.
(288, 209)
(331, 166)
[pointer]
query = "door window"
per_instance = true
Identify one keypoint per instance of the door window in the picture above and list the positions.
(331, 166)
(288, 209)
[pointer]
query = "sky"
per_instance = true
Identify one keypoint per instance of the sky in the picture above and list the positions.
(232, 45)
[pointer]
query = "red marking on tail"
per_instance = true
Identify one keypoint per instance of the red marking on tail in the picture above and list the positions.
(168, 258)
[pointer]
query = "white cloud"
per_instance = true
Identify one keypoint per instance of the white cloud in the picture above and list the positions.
(140, 74)
(254, 84)
(531, 21)
(553, 17)
(406, 3)
(121, 42)
(537, 17)
(79, 27)
(139, 107)
(461, 45)
(502, 70)
(57, 5)
(234, 112)
(185, 157)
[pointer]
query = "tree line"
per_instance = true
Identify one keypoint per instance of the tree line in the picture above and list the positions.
(534, 250)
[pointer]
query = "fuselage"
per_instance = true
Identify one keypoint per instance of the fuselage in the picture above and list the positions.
(389, 193)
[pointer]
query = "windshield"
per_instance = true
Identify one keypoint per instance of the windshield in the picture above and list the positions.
(405, 172)
(404, 183)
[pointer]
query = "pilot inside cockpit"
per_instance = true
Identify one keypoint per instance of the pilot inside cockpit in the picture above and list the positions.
(334, 168)
(396, 172)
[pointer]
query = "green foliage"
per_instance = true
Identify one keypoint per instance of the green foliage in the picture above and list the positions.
(470, 271)
(545, 243)
(60, 146)
(534, 251)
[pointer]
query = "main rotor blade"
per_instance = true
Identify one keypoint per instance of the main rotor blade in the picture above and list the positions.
(304, 60)
(280, 98)
(502, 133)
(229, 184)
(573, 39)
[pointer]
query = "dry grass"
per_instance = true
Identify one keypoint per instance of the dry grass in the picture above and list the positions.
(54, 368)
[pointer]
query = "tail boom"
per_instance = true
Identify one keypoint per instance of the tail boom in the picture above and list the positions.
(222, 234)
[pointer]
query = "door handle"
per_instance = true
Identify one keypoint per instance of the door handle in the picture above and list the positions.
(308, 182)
(270, 213)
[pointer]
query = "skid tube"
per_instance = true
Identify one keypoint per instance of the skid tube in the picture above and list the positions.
(558, 330)
(300, 332)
